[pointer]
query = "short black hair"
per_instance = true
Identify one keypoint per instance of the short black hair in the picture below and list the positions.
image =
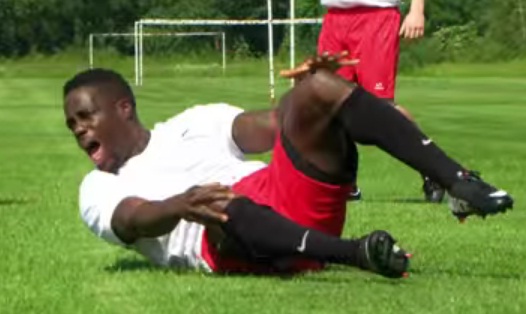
(106, 81)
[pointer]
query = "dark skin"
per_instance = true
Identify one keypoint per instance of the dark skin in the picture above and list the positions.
(304, 115)
(106, 128)
(333, 62)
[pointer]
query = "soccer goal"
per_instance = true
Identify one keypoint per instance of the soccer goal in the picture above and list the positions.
(270, 22)
(94, 36)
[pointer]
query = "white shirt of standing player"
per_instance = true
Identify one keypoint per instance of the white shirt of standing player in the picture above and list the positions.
(346, 4)
(192, 148)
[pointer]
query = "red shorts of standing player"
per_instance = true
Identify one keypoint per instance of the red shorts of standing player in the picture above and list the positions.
(369, 30)
(370, 35)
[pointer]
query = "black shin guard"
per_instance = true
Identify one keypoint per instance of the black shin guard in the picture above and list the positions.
(266, 236)
(370, 120)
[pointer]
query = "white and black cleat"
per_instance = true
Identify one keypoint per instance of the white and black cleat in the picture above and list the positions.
(470, 195)
(355, 195)
(433, 192)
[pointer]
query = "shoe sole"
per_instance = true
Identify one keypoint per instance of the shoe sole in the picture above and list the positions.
(465, 209)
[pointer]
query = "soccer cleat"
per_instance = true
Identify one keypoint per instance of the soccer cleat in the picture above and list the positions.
(433, 192)
(355, 194)
(381, 255)
(470, 195)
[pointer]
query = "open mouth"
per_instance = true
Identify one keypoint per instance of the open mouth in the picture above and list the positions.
(93, 149)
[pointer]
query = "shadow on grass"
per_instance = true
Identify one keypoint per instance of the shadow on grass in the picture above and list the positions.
(333, 275)
(13, 201)
(411, 201)
(131, 264)
(398, 201)
(468, 274)
(338, 274)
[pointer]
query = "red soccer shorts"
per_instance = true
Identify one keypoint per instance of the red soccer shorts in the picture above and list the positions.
(288, 191)
(371, 35)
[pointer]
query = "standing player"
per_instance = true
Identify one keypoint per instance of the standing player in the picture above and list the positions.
(150, 193)
(370, 30)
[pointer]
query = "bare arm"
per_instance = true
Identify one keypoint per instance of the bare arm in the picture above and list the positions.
(413, 25)
(136, 218)
(418, 6)
(254, 131)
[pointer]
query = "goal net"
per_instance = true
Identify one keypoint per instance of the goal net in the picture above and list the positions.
(269, 24)
(169, 42)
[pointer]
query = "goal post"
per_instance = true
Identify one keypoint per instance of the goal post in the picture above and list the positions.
(93, 36)
(139, 34)
(270, 27)
(292, 34)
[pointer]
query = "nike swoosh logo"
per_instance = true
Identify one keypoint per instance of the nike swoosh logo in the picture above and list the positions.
(499, 193)
(356, 193)
(427, 141)
(303, 244)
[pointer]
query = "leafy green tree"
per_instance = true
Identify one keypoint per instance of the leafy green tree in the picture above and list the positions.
(254, 36)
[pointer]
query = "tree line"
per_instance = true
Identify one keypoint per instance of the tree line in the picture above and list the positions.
(455, 30)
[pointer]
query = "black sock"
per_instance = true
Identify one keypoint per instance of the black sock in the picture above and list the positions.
(370, 120)
(268, 236)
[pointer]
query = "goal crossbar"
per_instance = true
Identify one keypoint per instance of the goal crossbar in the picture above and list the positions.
(156, 34)
(139, 25)
(229, 22)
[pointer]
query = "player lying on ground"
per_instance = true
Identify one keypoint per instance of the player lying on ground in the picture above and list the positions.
(147, 192)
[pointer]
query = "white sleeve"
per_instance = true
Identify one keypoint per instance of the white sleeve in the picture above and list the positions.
(100, 193)
(226, 115)
(218, 120)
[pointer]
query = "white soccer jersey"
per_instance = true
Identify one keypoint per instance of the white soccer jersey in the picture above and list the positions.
(192, 148)
(345, 4)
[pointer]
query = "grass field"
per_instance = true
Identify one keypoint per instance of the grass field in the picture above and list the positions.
(50, 263)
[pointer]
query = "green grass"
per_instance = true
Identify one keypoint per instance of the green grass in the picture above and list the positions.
(511, 69)
(50, 263)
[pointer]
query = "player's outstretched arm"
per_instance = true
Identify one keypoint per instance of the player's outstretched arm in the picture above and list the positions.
(254, 132)
(136, 218)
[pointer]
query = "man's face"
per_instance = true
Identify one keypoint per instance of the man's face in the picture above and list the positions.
(99, 127)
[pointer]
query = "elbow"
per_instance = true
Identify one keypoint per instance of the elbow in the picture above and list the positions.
(124, 222)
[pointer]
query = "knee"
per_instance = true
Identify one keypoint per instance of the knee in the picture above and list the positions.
(314, 100)
(328, 88)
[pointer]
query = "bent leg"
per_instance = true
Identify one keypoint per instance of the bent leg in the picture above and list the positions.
(324, 106)
(307, 119)
(268, 238)
(314, 113)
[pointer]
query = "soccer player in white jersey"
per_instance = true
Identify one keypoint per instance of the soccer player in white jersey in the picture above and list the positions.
(152, 190)
(370, 30)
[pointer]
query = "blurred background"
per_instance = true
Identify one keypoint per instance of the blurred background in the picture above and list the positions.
(468, 31)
